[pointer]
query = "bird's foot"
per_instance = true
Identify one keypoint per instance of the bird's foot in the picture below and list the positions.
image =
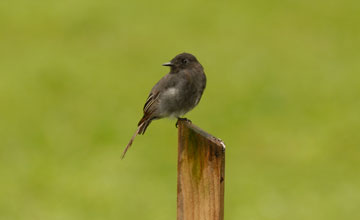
(182, 119)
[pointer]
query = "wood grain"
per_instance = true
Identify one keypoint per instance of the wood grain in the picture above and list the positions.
(201, 174)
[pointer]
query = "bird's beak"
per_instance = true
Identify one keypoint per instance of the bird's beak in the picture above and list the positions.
(167, 64)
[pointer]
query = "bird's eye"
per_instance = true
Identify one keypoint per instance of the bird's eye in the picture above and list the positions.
(184, 61)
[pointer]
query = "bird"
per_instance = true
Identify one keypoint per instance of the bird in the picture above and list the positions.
(174, 94)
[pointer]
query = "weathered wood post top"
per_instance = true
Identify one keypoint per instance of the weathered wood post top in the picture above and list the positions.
(201, 174)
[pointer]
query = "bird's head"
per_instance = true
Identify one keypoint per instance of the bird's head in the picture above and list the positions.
(183, 61)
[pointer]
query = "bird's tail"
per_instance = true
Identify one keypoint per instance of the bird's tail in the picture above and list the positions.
(140, 130)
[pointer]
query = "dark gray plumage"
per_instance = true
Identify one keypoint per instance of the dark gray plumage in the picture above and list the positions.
(175, 94)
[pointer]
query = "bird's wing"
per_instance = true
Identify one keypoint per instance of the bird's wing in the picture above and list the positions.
(150, 107)
(150, 101)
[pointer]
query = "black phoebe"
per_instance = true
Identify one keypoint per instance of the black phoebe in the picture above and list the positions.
(175, 94)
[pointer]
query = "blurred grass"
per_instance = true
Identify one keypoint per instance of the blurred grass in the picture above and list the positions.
(283, 93)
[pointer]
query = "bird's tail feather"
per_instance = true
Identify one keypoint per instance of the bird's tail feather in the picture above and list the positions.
(140, 130)
(143, 126)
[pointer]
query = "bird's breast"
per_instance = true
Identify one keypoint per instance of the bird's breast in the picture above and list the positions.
(171, 92)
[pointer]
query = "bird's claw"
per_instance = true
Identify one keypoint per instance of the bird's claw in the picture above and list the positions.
(182, 119)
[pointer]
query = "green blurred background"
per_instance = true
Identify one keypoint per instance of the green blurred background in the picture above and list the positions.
(283, 93)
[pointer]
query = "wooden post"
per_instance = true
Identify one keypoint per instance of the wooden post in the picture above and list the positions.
(201, 174)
